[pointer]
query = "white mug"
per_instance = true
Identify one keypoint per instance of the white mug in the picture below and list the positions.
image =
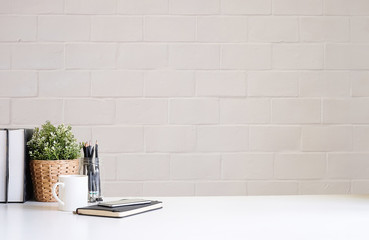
(73, 192)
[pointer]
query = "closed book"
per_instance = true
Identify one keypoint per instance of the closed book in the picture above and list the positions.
(119, 212)
(3, 164)
(18, 185)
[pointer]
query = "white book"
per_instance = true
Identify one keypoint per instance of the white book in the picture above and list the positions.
(3, 150)
(16, 165)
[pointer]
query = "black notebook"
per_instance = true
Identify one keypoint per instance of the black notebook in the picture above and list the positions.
(119, 212)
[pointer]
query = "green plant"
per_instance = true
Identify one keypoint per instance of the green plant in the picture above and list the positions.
(53, 143)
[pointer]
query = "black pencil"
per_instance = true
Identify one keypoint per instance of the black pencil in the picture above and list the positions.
(96, 150)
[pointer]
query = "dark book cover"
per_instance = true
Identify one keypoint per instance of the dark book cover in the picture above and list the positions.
(28, 186)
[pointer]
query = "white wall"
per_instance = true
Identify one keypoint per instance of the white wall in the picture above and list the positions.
(198, 97)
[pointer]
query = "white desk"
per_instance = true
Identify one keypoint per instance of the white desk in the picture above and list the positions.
(272, 217)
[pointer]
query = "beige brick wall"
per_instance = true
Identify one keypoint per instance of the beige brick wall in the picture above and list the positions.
(198, 97)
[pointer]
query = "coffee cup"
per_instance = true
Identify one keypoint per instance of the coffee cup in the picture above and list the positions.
(73, 192)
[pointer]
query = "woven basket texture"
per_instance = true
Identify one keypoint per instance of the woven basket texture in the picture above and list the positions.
(45, 173)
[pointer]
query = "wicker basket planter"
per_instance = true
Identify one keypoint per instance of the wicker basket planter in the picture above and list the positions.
(45, 173)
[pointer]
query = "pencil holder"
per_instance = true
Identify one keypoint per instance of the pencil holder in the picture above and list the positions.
(91, 168)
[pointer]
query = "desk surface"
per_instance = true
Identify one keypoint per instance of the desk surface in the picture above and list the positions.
(253, 217)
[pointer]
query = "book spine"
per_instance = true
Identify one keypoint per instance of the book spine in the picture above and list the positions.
(7, 167)
(27, 188)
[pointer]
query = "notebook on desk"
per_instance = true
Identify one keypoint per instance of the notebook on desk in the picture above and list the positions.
(119, 212)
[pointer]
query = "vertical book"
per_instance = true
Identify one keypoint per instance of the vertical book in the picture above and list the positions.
(3, 165)
(15, 182)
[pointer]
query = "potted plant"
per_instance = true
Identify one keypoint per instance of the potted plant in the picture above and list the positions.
(53, 151)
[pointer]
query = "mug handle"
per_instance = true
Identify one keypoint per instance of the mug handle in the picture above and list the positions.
(54, 192)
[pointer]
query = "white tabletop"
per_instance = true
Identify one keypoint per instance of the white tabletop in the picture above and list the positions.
(267, 217)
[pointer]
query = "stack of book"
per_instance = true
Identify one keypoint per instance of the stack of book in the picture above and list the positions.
(121, 208)
(15, 180)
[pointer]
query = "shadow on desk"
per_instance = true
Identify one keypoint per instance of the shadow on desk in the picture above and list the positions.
(40, 206)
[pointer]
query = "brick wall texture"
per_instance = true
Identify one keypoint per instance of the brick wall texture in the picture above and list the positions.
(198, 97)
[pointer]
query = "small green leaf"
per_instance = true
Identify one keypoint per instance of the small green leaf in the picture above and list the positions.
(53, 143)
